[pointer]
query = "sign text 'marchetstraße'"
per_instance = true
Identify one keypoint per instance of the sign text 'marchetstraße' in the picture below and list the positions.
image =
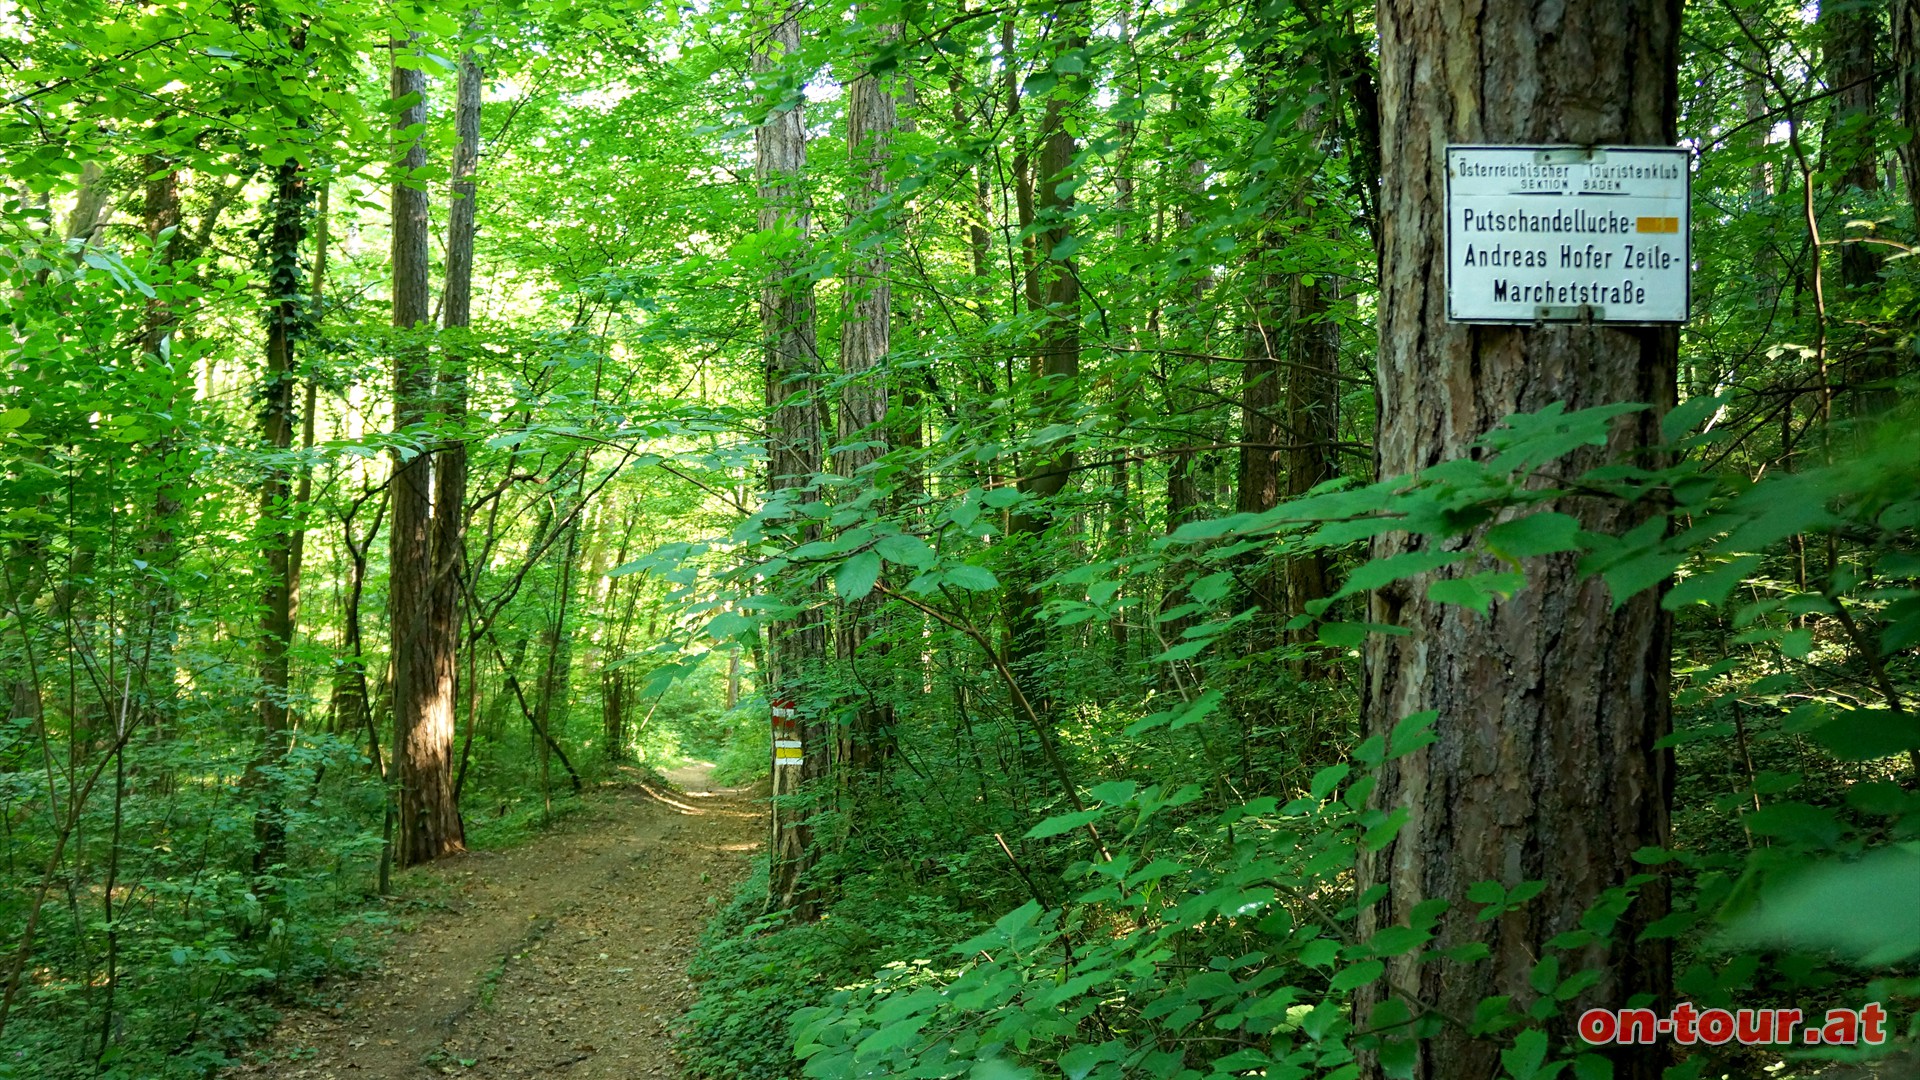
(1567, 234)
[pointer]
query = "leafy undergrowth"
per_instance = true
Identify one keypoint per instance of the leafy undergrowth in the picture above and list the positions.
(756, 969)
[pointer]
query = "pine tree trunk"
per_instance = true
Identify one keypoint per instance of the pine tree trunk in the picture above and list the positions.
(865, 339)
(793, 457)
(423, 703)
(1550, 705)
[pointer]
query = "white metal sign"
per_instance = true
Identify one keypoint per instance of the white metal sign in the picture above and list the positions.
(1567, 234)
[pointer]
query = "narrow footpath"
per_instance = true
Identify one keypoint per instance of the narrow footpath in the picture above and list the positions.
(565, 956)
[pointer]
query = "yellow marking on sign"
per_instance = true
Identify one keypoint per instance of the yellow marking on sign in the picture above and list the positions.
(1657, 225)
(782, 753)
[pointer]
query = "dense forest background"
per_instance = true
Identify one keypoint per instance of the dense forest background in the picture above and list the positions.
(413, 414)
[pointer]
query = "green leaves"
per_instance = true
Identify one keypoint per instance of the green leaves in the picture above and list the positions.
(1477, 591)
(905, 549)
(1526, 1058)
(1413, 732)
(1526, 440)
(1536, 534)
(1379, 572)
(856, 577)
(1356, 976)
(729, 624)
(972, 578)
(1862, 910)
(1180, 715)
(1062, 823)
(1499, 900)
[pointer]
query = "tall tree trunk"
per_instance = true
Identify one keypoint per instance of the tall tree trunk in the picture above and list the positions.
(556, 673)
(159, 547)
(352, 706)
(1849, 30)
(865, 339)
(551, 700)
(423, 701)
(1549, 705)
(450, 454)
(309, 412)
(614, 684)
(793, 454)
(1054, 288)
(89, 204)
(286, 318)
(1906, 72)
(1312, 416)
(1257, 483)
(979, 237)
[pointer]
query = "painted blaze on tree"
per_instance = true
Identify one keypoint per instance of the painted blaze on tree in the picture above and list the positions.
(1549, 706)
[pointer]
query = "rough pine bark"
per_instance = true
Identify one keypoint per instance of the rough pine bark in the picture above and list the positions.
(1549, 705)
(794, 423)
(423, 703)
(865, 338)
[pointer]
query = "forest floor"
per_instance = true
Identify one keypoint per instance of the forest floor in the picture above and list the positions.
(564, 956)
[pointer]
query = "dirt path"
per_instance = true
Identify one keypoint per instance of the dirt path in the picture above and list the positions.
(563, 957)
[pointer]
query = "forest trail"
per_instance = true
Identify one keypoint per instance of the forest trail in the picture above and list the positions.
(565, 956)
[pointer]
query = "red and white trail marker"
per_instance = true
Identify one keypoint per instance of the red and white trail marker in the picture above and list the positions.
(786, 732)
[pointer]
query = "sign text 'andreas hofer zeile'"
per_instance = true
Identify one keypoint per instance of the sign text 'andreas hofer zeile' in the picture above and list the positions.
(1567, 234)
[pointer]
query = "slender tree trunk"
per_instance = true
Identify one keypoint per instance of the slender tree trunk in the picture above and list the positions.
(160, 213)
(979, 237)
(450, 454)
(159, 548)
(1053, 286)
(423, 701)
(1549, 705)
(352, 708)
(1312, 417)
(89, 204)
(309, 412)
(1257, 485)
(793, 457)
(733, 677)
(1120, 518)
(1906, 71)
(613, 711)
(556, 674)
(1258, 481)
(1849, 30)
(614, 684)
